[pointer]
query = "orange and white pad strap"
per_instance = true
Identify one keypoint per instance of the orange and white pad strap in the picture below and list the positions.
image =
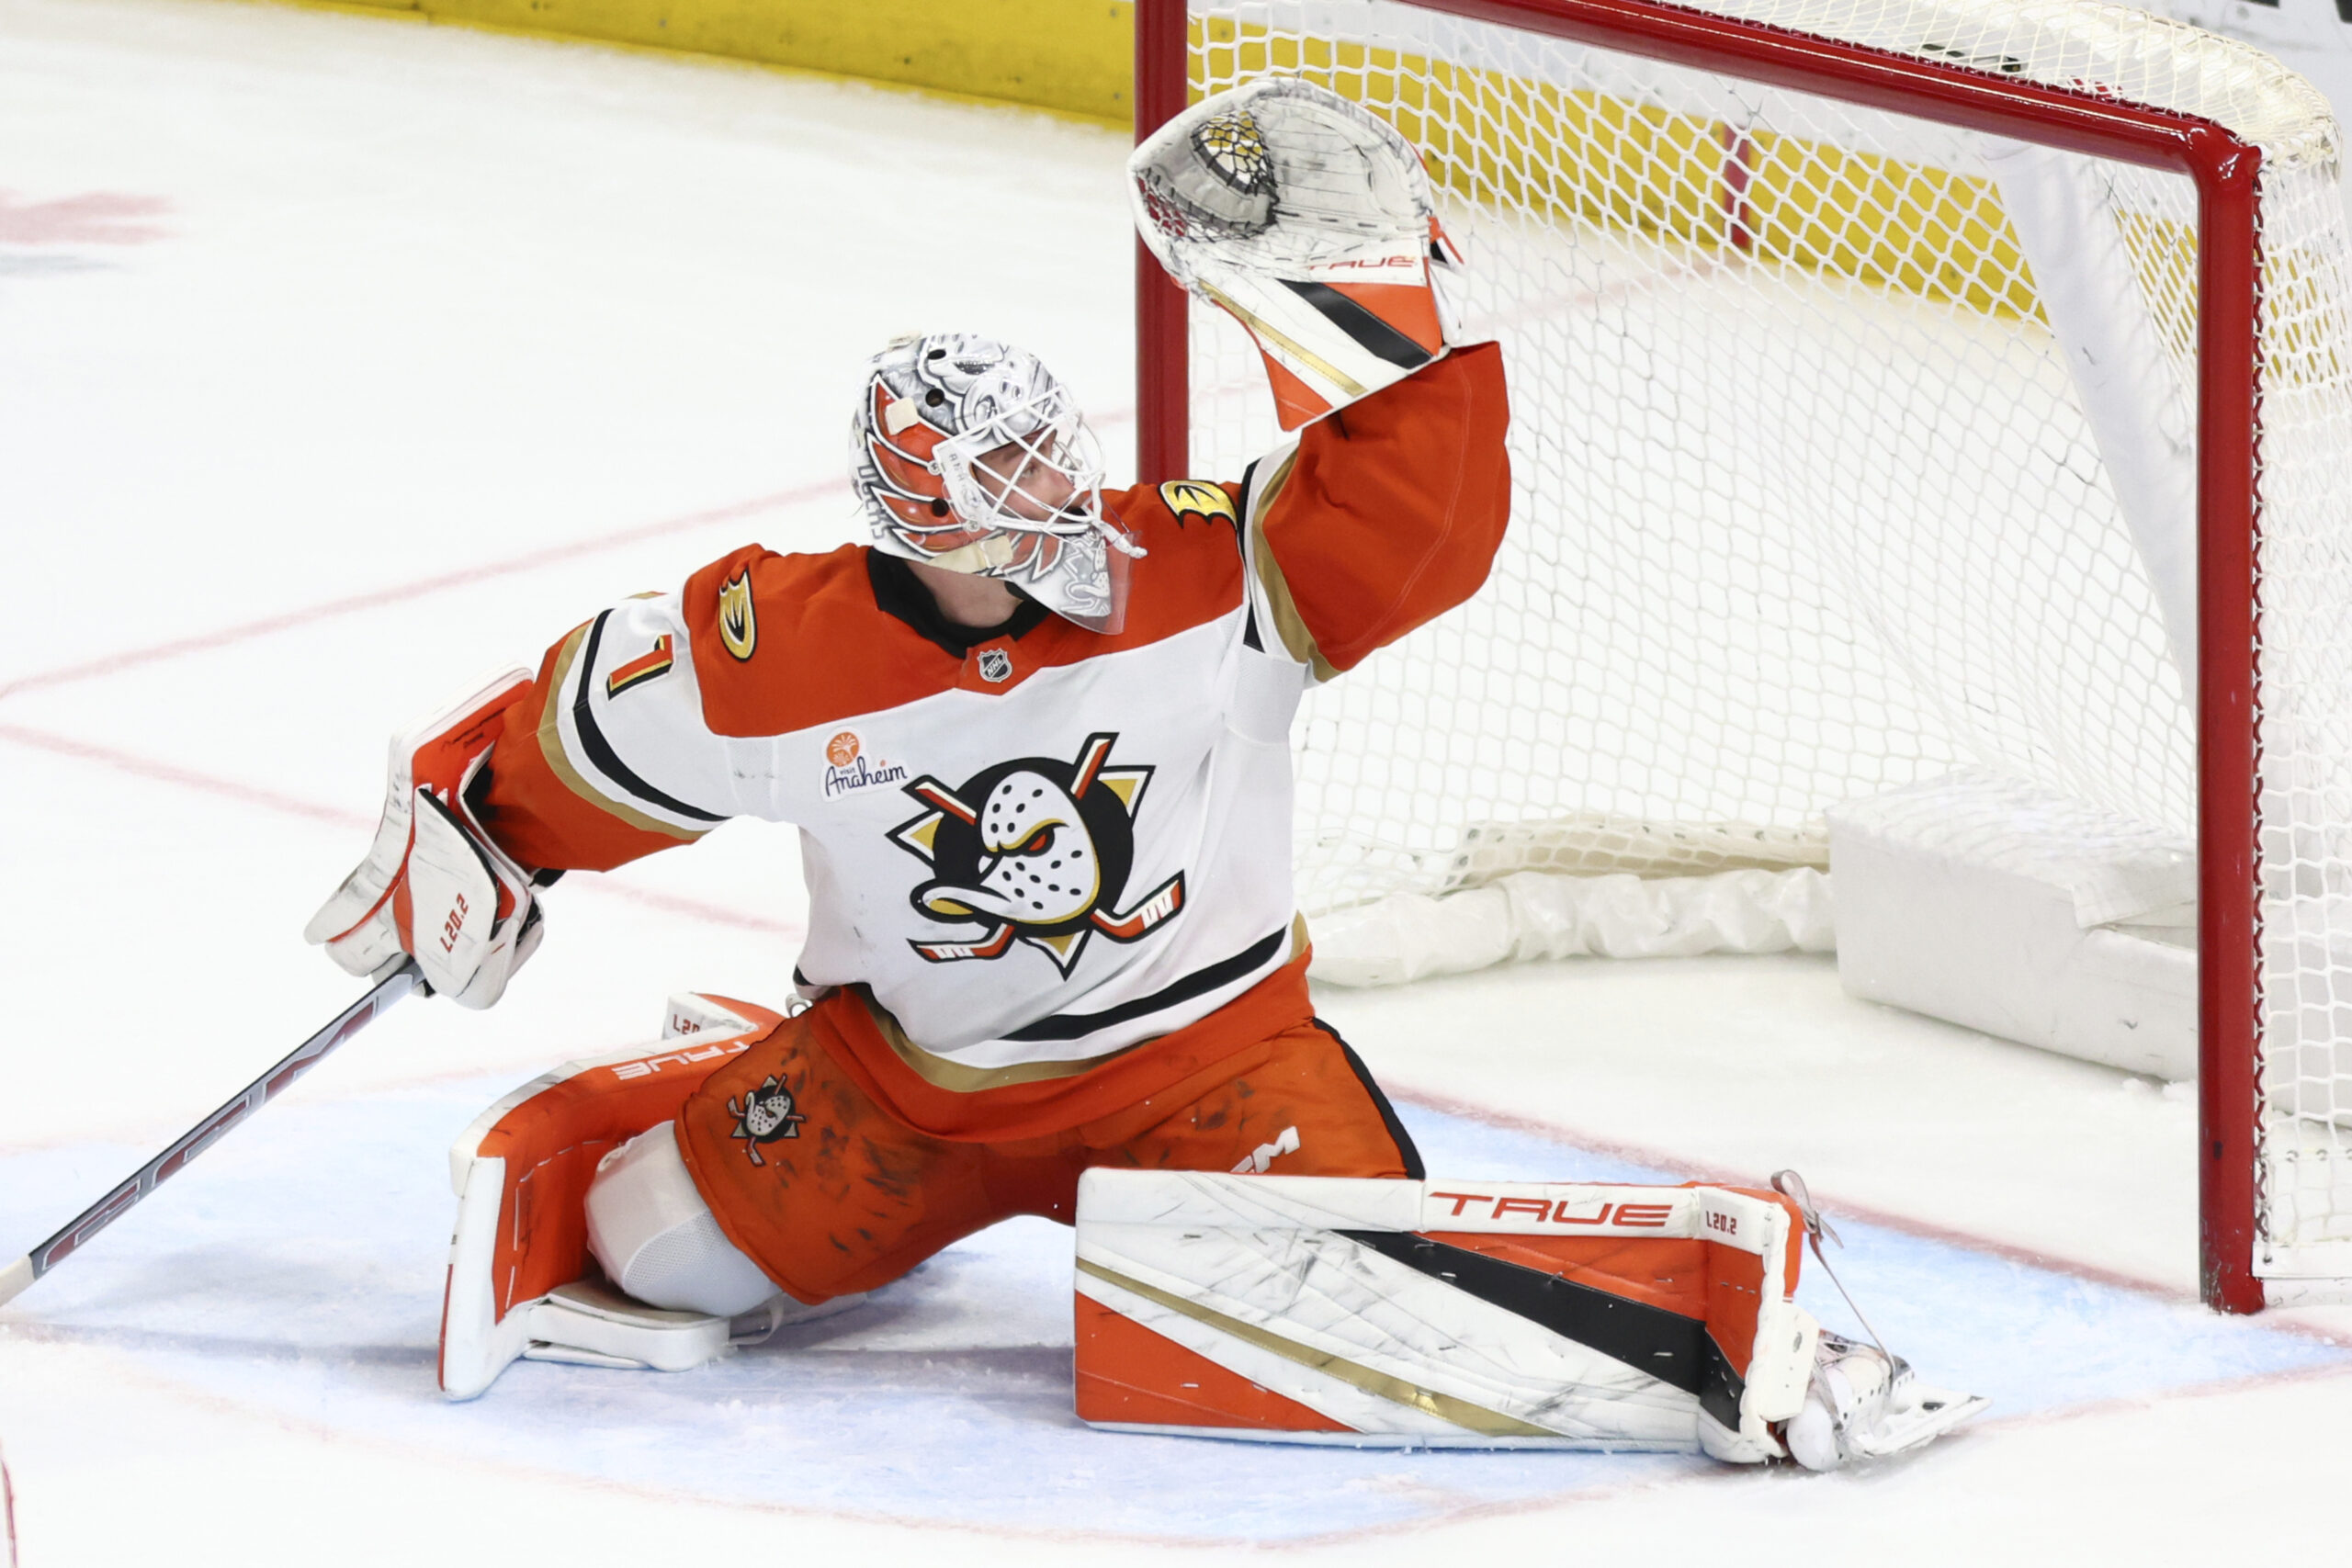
(1308, 219)
(1440, 1314)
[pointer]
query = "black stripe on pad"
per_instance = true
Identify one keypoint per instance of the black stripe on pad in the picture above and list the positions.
(1675, 1349)
(1372, 334)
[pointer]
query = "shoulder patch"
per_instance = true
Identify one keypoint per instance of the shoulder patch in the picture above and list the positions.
(739, 625)
(1197, 498)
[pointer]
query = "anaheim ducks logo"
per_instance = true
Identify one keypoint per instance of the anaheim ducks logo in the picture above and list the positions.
(764, 1115)
(1192, 498)
(738, 627)
(1034, 850)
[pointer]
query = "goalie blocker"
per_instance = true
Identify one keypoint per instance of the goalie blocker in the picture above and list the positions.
(1471, 1314)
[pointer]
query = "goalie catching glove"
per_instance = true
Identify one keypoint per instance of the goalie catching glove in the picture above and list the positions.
(1308, 219)
(435, 887)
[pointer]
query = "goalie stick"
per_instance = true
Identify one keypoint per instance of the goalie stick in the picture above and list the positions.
(197, 1139)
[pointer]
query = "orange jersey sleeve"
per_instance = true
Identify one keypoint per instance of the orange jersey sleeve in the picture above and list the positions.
(538, 808)
(1387, 513)
(625, 745)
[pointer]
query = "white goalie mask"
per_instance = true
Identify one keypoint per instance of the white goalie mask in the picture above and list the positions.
(967, 454)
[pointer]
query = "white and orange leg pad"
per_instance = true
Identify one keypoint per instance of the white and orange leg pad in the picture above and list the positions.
(522, 1283)
(1441, 1315)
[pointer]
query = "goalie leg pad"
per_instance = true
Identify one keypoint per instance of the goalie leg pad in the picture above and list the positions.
(523, 1171)
(1440, 1314)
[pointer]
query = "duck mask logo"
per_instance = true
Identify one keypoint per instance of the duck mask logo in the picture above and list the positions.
(1034, 850)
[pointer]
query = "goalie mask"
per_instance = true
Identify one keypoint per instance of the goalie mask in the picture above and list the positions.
(969, 454)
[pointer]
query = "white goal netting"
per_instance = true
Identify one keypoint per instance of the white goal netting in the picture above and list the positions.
(1852, 449)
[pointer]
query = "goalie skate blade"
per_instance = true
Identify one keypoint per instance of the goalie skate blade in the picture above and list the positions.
(759, 1325)
(572, 1356)
(1930, 1414)
(591, 1324)
(1400, 1440)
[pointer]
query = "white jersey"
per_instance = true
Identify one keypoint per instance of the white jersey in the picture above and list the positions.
(1037, 845)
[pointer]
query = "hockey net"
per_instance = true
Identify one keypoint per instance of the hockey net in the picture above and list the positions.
(1857, 448)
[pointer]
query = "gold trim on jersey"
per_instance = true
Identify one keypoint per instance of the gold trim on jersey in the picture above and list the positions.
(1349, 386)
(1289, 625)
(956, 1078)
(942, 1072)
(1383, 1385)
(559, 761)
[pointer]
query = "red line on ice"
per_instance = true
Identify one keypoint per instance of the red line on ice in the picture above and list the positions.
(1635, 1153)
(94, 218)
(553, 555)
(1442, 1514)
(270, 800)
(186, 778)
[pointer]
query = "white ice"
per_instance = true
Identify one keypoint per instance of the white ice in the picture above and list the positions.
(341, 359)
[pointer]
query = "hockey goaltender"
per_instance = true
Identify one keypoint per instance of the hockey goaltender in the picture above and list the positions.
(1036, 740)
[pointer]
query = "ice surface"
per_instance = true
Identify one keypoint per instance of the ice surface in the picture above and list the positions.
(343, 360)
(947, 1398)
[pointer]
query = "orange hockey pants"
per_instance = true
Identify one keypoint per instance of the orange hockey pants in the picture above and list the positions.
(851, 1198)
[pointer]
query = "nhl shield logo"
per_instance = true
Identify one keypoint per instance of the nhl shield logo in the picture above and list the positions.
(1035, 850)
(996, 665)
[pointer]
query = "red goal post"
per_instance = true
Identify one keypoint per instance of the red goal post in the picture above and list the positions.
(2077, 101)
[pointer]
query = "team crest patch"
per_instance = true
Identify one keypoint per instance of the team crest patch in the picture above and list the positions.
(739, 626)
(1191, 498)
(996, 665)
(1038, 850)
(765, 1114)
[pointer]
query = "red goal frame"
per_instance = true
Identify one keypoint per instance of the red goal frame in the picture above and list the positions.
(2227, 171)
